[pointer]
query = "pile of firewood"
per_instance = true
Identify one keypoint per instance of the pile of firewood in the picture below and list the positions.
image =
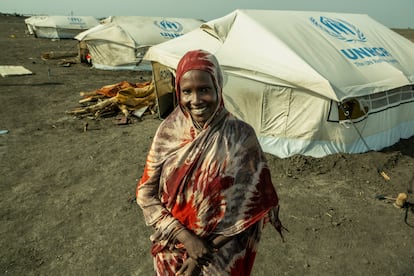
(123, 98)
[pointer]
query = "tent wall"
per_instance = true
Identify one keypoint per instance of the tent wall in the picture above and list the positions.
(308, 130)
(59, 26)
(289, 121)
(107, 54)
(53, 32)
(275, 110)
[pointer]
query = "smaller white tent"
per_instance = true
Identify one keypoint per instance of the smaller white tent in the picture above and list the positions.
(30, 21)
(59, 26)
(120, 42)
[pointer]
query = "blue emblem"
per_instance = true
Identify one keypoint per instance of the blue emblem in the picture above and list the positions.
(339, 29)
(76, 21)
(169, 26)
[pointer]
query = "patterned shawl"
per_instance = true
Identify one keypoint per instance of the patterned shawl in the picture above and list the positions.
(213, 180)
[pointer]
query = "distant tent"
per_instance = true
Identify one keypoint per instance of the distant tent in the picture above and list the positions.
(311, 83)
(59, 26)
(30, 23)
(120, 42)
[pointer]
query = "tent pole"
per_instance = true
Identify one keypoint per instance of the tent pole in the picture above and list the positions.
(348, 116)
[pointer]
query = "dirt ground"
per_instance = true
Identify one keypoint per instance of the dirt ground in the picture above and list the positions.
(67, 195)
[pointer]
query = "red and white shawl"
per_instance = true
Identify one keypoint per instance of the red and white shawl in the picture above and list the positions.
(213, 180)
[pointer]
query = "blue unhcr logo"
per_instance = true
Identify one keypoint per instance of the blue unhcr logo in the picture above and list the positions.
(169, 26)
(339, 29)
(75, 20)
(345, 31)
(169, 29)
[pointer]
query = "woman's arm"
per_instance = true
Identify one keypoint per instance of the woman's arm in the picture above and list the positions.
(154, 211)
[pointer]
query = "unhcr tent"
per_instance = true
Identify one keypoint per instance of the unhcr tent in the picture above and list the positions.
(59, 26)
(310, 83)
(120, 42)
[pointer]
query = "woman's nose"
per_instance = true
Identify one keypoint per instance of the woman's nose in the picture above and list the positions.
(195, 99)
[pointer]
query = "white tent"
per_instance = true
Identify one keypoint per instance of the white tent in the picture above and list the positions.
(120, 42)
(311, 83)
(59, 26)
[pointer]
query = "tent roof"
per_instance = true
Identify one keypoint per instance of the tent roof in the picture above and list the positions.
(135, 31)
(63, 22)
(336, 55)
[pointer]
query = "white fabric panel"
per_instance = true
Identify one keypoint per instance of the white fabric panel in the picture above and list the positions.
(14, 70)
(307, 116)
(59, 26)
(107, 54)
(244, 99)
(276, 110)
(285, 147)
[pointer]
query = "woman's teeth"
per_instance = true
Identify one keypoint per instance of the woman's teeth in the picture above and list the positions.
(199, 111)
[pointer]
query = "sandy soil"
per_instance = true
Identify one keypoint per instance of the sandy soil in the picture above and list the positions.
(67, 195)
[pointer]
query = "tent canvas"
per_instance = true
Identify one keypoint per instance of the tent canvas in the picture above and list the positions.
(14, 70)
(30, 22)
(59, 26)
(120, 42)
(311, 83)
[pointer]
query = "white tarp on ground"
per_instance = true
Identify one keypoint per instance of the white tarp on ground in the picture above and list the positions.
(59, 26)
(13, 70)
(289, 73)
(120, 42)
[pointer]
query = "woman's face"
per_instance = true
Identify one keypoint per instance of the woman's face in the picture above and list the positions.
(198, 95)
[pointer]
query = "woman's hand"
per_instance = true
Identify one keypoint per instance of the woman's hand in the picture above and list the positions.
(197, 248)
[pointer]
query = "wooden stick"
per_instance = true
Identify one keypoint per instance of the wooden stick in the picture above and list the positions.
(93, 108)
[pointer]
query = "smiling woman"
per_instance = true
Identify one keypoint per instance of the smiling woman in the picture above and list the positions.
(206, 188)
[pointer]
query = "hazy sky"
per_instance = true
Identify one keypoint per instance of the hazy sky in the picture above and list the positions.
(391, 13)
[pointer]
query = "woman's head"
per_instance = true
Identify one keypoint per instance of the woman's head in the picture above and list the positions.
(199, 84)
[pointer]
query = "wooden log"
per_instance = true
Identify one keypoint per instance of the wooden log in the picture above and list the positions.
(91, 99)
(88, 94)
(93, 108)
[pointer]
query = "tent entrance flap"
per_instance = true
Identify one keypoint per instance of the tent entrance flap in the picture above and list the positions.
(164, 89)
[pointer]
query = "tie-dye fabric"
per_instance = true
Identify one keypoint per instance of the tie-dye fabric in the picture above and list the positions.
(212, 180)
